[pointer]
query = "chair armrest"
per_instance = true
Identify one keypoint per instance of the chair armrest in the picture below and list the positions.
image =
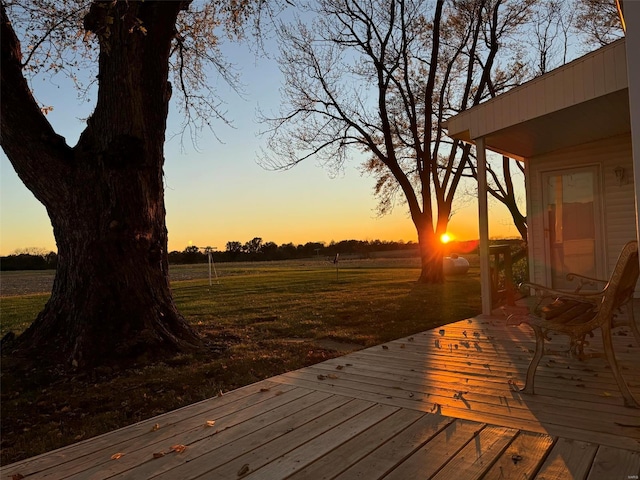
(546, 292)
(584, 280)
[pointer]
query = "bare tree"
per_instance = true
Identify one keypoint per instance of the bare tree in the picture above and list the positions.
(380, 78)
(599, 21)
(111, 300)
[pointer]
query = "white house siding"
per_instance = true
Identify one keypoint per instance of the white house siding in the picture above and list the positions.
(594, 75)
(616, 202)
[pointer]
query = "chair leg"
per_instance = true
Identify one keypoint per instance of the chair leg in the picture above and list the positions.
(531, 371)
(629, 399)
(632, 322)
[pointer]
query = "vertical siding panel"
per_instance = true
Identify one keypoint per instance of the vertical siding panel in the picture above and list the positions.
(609, 71)
(578, 83)
(536, 99)
(567, 86)
(549, 99)
(621, 66)
(523, 108)
(598, 74)
(558, 91)
(589, 87)
(490, 115)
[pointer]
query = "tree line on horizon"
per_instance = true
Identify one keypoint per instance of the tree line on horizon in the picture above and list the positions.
(258, 250)
(253, 250)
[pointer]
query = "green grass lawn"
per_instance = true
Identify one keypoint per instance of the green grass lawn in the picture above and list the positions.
(261, 318)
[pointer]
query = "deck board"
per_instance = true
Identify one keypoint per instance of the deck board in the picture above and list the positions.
(438, 404)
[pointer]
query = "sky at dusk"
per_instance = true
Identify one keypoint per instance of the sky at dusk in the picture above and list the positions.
(217, 192)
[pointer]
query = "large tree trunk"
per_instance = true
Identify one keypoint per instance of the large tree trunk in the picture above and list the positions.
(430, 257)
(111, 299)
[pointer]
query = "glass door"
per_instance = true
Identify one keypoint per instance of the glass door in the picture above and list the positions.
(571, 224)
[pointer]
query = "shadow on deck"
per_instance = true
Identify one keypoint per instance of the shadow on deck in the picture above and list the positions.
(438, 405)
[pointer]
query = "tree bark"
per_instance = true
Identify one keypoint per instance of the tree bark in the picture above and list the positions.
(111, 300)
(431, 270)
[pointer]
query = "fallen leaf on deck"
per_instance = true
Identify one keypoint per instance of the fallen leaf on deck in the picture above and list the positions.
(513, 386)
(339, 367)
(321, 377)
(486, 365)
(178, 448)
(516, 458)
(402, 345)
(278, 393)
(384, 347)
(17, 476)
(158, 455)
(244, 470)
(582, 385)
(411, 339)
(264, 389)
(156, 427)
(210, 423)
(116, 456)
(332, 376)
(441, 332)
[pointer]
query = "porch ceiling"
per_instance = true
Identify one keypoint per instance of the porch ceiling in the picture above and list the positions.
(596, 119)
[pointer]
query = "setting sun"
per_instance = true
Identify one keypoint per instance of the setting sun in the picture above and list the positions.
(446, 238)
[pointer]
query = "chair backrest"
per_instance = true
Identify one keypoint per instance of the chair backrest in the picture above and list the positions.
(622, 284)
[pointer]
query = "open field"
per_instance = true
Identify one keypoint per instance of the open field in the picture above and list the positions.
(261, 319)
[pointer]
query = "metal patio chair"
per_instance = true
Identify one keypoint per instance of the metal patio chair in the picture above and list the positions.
(578, 314)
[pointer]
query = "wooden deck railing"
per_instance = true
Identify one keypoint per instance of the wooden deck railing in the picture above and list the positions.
(502, 260)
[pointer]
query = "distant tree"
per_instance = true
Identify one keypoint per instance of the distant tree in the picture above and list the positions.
(270, 251)
(253, 246)
(111, 299)
(381, 78)
(288, 250)
(192, 254)
(234, 249)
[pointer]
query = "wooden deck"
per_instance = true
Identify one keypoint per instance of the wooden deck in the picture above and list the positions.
(435, 405)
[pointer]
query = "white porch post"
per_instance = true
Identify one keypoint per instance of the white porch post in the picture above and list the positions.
(483, 226)
(632, 18)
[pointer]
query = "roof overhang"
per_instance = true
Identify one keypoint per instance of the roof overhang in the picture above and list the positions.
(583, 101)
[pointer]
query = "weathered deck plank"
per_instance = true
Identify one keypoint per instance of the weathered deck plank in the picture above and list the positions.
(438, 404)
(359, 446)
(568, 459)
(385, 458)
(434, 455)
(615, 463)
(478, 455)
(522, 458)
